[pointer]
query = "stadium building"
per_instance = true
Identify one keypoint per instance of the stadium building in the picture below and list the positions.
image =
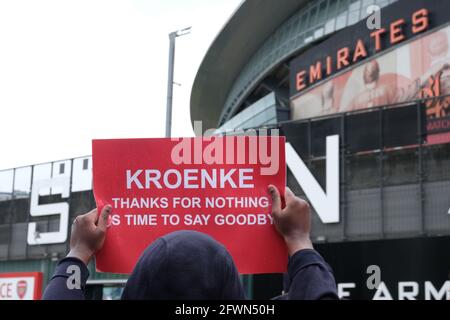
(360, 89)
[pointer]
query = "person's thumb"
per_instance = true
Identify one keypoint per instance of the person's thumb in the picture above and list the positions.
(276, 201)
(103, 219)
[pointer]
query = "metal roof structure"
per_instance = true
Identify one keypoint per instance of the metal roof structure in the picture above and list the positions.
(247, 29)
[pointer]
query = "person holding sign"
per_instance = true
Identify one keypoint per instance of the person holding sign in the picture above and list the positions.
(213, 185)
(192, 265)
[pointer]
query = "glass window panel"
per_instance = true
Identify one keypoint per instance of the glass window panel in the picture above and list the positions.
(437, 162)
(5, 234)
(312, 17)
(318, 33)
(82, 174)
(355, 5)
(22, 182)
(329, 26)
(322, 14)
(297, 136)
(6, 184)
(341, 21)
(363, 132)
(20, 210)
(320, 130)
(382, 3)
(5, 237)
(302, 23)
(367, 3)
(400, 127)
(18, 244)
(400, 167)
(5, 212)
(354, 12)
(42, 172)
(363, 171)
(66, 165)
(332, 9)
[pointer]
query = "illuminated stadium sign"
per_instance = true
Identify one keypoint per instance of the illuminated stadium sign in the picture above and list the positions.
(346, 56)
(416, 69)
(400, 22)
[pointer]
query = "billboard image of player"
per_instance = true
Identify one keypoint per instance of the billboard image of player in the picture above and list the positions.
(420, 69)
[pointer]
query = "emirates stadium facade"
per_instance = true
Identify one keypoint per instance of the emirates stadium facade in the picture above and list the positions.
(360, 89)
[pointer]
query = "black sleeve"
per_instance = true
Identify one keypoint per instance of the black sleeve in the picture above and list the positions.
(60, 287)
(310, 277)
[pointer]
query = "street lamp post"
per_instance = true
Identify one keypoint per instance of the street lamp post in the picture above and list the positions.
(172, 38)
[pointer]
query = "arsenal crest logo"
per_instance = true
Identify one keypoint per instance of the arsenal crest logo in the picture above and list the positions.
(21, 288)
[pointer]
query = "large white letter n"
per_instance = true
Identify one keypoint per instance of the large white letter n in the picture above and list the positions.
(325, 204)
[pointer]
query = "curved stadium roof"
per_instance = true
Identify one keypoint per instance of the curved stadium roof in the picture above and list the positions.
(247, 29)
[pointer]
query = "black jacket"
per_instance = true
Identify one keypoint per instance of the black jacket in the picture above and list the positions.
(192, 265)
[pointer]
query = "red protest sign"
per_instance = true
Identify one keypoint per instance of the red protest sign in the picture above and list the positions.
(213, 185)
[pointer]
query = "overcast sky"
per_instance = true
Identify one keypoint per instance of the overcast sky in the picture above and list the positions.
(72, 71)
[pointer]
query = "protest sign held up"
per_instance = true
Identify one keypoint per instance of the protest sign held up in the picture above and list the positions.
(215, 185)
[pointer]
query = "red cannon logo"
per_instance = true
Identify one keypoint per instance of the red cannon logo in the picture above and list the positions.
(21, 288)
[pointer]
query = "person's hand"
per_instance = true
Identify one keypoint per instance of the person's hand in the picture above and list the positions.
(88, 234)
(293, 222)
